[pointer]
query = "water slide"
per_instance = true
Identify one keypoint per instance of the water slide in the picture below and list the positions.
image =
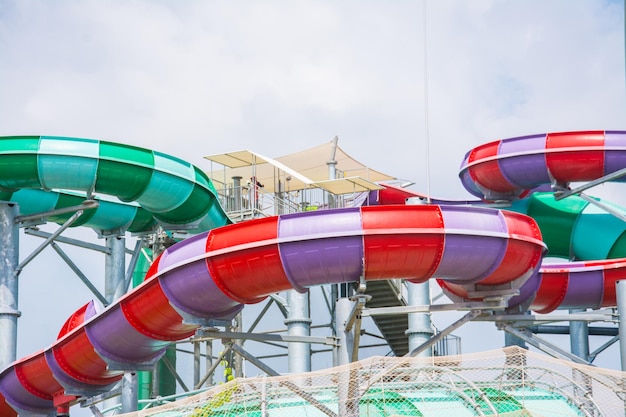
(512, 174)
(220, 269)
(573, 228)
(214, 273)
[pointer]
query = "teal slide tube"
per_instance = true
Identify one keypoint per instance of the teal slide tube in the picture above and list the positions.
(575, 229)
(178, 195)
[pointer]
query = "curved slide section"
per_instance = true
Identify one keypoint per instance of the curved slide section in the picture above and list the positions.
(585, 284)
(213, 274)
(575, 229)
(510, 168)
(572, 228)
(177, 194)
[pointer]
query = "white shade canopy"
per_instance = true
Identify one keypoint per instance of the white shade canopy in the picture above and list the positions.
(305, 169)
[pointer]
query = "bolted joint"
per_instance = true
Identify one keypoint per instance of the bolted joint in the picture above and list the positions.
(8, 311)
(295, 321)
(418, 331)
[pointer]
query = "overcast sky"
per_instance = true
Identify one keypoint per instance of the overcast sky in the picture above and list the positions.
(193, 78)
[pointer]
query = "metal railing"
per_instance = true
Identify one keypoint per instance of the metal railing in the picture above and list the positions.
(246, 202)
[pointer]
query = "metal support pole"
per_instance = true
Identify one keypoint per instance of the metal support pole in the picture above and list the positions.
(130, 400)
(238, 359)
(298, 324)
(334, 296)
(420, 325)
(114, 288)
(9, 253)
(579, 336)
(237, 193)
(621, 310)
(345, 337)
(196, 363)
(579, 346)
(332, 170)
(208, 350)
(211, 369)
(512, 340)
(334, 288)
(114, 268)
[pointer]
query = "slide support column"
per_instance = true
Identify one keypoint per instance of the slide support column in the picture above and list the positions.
(621, 310)
(114, 268)
(420, 325)
(579, 336)
(345, 338)
(9, 250)
(298, 324)
(114, 288)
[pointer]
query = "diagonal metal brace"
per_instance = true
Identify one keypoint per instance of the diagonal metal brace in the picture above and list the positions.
(543, 345)
(49, 240)
(564, 193)
(86, 205)
(439, 336)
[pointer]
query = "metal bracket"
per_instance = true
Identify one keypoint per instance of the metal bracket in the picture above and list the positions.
(357, 309)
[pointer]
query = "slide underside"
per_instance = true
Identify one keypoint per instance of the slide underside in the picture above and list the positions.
(215, 273)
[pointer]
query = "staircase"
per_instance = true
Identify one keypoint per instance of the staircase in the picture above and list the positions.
(387, 293)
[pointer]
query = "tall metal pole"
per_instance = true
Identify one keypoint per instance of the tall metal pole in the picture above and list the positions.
(621, 310)
(420, 325)
(579, 336)
(130, 398)
(579, 346)
(208, 350)
(298, 324)
(334, 288)
(114, 288)
(343, 356)
(332, 169)
(9, 254)
(114, 268)
(345, 337)
(238, 359)
(512, 340)
(237, 198)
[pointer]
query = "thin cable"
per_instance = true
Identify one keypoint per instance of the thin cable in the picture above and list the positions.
(426, 117)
